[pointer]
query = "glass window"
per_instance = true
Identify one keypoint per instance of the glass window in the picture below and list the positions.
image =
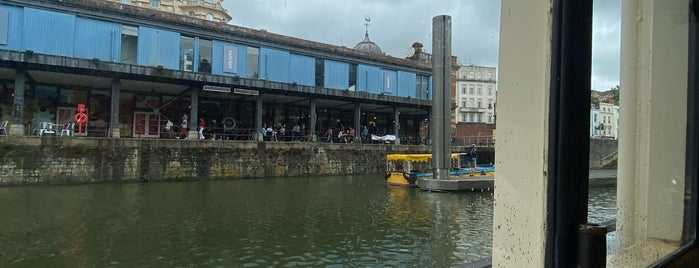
(253, 62)
(129, 44)
(490, 76)
(320, 72)
(187, 53)
(471, 89)
(464, 103)
(353, 79)
(205, 49)
(480, 103)
(472, 117)
(154, 3)
(490, 90)
(463, 117)
(191, 14)
(210, 17)
(463, 89)
(478, 75)
(480, 89)
(470, 75)
(479, 118)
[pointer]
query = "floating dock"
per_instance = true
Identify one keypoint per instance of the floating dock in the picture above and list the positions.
(460, 183)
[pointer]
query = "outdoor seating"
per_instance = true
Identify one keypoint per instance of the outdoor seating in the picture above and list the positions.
(3, 128)
(68, 130)
(45, 128)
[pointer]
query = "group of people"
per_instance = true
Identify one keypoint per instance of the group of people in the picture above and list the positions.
(281, 133)
(184, 128)
(345, 134)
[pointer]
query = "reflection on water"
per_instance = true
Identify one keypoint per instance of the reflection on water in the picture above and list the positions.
(353, 221)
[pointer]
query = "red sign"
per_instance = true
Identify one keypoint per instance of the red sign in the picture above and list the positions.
(81, 107)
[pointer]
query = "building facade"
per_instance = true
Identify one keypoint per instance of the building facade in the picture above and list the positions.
(210, 10)
(476, 93)
(145, 69)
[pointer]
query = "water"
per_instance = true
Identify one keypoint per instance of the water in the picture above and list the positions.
(353, 221)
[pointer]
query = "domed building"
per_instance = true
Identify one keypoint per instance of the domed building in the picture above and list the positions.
(367, 45)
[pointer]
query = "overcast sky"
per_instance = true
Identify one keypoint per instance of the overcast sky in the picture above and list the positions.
(396, 24)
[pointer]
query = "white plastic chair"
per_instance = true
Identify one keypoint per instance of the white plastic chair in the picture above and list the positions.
(3, 128)
(45, 128)
(68, 130)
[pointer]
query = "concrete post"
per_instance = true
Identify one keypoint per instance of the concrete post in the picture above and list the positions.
(114, 118)
(441, 105)
(357, 120)
(396, 124)
(17, 127)
(312, 124)
(193, 133)
(258, 117)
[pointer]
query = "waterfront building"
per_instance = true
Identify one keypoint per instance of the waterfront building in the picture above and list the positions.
(608, 124)
(476, 95)
(135, 68)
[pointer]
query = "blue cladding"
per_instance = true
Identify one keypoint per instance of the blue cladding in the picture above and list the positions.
(158, 47)
(336, 74)
(12, 28)
(390, 82)
(274, 65)
(406, 84)
(48, 32)
(302, 70)
(97, 39)
(221, 59)
(369, 79)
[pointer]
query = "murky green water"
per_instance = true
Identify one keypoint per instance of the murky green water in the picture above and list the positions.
(293, 222)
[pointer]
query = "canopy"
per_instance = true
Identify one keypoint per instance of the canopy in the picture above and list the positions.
(413, 157)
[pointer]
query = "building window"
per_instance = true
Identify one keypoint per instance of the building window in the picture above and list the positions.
(320, 72)
(463, 89)
(154, 3)
(470, 89)
(478, 75)
(490, 76)
(463, 117)
(472, 117)
(129, 44)
(464, 103)
(480, 103)
(210, 17)
(191, 14)
(473, 102)
(480, 90)
(479, 118)
(490, 90)
(253, 56)
(205, 51)
(470, 75)
(126, 1)
(187, 53)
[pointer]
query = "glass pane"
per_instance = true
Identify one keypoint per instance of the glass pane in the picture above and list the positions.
(186, 53)
(205, 50)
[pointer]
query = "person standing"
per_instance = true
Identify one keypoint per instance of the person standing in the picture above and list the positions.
(184, 127)
(472, 155)
(202, 125)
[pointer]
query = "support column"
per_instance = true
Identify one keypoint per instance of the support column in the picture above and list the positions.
(312, 124)
(258, 117)
(357, 121)
(396, 124)
(114, 118)
(17, 128)
(441, 100)
(193, 133)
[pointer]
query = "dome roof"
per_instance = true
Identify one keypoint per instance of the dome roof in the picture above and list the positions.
(368, 46)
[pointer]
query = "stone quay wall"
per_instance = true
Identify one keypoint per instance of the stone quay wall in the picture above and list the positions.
(63, 160)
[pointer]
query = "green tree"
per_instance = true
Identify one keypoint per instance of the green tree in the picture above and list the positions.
(615, 94)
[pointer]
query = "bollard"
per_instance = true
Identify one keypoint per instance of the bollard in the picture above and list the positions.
(592, 245)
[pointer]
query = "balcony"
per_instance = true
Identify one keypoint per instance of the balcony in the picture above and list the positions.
(203, 3)
(473, 109)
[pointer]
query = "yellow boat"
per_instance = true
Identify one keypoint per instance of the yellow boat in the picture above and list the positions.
(403, 170)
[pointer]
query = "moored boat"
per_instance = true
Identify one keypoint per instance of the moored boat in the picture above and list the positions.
(403, 170)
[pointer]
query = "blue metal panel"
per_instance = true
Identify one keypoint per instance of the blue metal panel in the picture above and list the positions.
(406, 84)
(158, 47)
(389, 82)
(336, 74)
(369, 79)
(220, 59)
(274, 65)
(13, 27)
(48, 32)
(97, 39)
(302, 70)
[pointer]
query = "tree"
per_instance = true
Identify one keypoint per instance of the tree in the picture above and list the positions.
(615, 94)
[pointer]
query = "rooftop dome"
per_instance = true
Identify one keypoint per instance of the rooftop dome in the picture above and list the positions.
(368, 46)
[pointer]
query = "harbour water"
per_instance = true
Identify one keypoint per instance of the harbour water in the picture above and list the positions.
(350, 221)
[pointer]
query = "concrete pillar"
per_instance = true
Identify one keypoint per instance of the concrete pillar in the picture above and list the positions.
(357, 120)
(258, 117)
(396, 124)
(312, 124)
(194, 118)
(17, 127)
(114, 118)
(441, 96)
